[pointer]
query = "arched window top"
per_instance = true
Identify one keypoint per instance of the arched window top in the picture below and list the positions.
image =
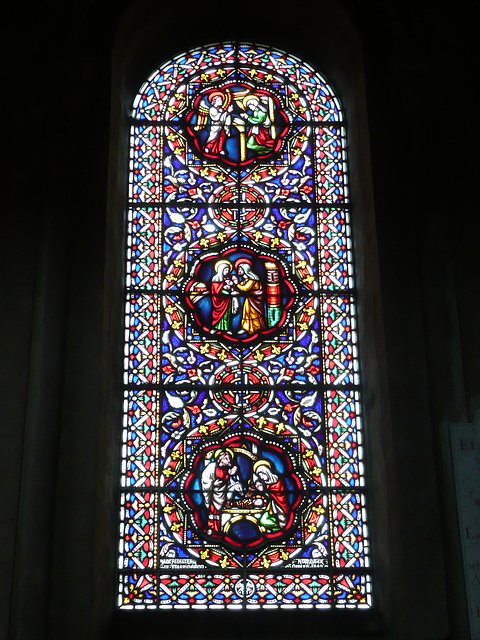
(308, 94)
(242, 480)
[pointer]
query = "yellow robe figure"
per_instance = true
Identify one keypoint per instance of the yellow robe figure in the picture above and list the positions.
(252, 315)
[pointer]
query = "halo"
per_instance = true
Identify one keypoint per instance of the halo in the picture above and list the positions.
(261, 463)
(242, 261)
(224, 96)
(251, 96)
(219, 263)
(214, 94)
(226, 450)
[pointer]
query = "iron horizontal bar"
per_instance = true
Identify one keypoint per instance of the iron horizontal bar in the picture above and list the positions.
(351, 292)
(172, 124)
(361, 490)
(294, 204)
(242, 387)
(336, 571)
(247, 571)
(343, 490)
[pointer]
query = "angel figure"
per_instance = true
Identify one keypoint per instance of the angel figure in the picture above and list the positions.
(216, 108)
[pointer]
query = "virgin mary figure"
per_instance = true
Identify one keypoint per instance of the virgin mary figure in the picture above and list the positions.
(222, 296)
(261, 131)
(269, 483)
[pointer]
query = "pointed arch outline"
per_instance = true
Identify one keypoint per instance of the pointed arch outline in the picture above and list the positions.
(280, 201)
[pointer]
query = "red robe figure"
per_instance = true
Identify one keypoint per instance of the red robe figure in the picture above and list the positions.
(223, 300)
(265, 480)
(219, 114)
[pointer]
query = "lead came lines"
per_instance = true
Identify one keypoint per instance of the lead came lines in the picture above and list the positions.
(335, 330)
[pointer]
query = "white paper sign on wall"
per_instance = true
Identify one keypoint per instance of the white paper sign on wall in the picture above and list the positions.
(465, 444)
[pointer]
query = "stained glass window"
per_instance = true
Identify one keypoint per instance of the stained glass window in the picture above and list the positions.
(242, 479)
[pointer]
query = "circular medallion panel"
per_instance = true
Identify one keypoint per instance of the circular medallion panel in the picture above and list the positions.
(240, 295)
(243, 492)
(237, 124)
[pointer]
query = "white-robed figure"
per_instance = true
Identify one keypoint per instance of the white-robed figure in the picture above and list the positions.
(219, 112)
(217, 485)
